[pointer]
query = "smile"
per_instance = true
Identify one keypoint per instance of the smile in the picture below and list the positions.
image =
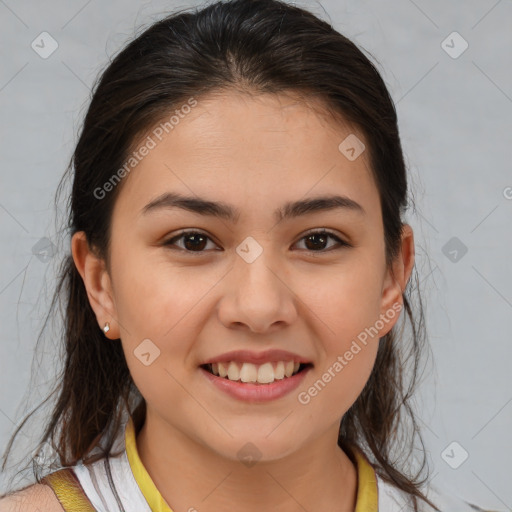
(265, 373)
(242, 380)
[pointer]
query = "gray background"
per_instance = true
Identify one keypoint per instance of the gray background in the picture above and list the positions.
(455, 120)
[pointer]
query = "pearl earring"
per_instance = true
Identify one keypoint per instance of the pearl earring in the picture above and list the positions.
(106, 328)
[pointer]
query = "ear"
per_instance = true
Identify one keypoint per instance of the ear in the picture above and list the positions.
(396, 280)
(97, 283)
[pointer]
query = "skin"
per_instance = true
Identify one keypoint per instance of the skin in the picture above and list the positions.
(254, 153)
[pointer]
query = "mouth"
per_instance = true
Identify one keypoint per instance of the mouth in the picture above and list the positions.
(249, 373)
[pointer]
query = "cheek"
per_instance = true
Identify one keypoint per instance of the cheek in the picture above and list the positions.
(156, 309)
(348, 307)
(347, 300)
(339, 380)
(152, 296)
(159, 309)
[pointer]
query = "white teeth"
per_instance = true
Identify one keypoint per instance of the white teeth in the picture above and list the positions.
(279, 371)
(222, 370)
(248, 373)
(265, 373)
(233, 371)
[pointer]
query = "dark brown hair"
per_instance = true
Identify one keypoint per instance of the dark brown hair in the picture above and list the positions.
(257, 46)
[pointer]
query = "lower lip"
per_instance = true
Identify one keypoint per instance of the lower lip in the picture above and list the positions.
(250, 392)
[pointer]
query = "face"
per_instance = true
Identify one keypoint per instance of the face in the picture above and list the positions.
(312, 282)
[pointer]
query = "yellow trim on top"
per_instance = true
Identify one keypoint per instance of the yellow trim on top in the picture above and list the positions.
(367, 494)
(68, 491)
(367, 491)
(155, 500)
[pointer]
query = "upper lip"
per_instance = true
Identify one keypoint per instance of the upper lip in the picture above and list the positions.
(247, 356)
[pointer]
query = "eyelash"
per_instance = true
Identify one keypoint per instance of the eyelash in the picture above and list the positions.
(341, 243)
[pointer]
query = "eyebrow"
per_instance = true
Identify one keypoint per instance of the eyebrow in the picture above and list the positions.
(225, 211)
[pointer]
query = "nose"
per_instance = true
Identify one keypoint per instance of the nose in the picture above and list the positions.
(257, 296)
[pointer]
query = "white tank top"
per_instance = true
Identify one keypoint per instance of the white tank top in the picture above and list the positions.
(110, 486)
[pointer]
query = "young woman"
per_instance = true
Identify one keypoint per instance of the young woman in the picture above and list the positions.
(239, 280)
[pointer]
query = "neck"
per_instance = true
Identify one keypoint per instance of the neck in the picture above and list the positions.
(318, 477)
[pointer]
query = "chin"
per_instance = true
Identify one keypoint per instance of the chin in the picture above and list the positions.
(259, 448)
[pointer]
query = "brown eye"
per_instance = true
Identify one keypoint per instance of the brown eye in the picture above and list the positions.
(194, 241)
(316, 241)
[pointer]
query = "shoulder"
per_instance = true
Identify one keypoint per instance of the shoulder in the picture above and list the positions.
(34, 498)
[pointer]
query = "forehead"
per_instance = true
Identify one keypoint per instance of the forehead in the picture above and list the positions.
(255, 152)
